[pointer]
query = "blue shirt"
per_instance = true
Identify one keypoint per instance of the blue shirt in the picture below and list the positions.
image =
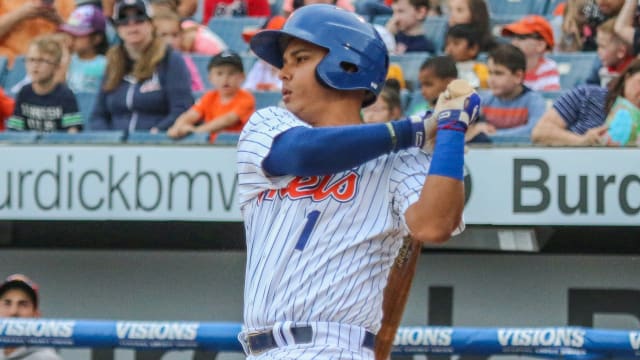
(142, 105)
(582, 108)
(513, 117)
(85, 76)
(414, 42)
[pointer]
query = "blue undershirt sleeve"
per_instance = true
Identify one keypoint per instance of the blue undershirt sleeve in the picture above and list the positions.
(303, 151)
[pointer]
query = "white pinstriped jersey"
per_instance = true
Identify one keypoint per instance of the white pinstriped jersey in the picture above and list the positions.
(319, 248)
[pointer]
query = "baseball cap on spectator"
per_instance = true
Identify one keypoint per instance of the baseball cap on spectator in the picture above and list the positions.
(531, 25)
(84, 20)
(275, 23)
(21, 282)
(142, 6)
(227, 57)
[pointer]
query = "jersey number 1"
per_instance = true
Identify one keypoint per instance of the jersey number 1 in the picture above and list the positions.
(312, 218)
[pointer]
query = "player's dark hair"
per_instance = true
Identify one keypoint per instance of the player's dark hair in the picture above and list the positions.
(509, 56)
(468, 32)
(443, 66)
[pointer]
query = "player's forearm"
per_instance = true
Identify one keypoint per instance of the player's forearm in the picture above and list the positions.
(329, 150)
(438, 212)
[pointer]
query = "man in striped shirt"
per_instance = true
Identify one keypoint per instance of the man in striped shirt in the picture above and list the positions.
(534, 36)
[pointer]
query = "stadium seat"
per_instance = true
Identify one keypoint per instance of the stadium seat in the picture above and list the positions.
(436, 30)
(18, 137)
(410, 63)
(86, 101)
(85, 137)
(230, 30)
(14, 76)
(517, 7)
(551, 96)
(573, 67)
(145, 137)
(227, 138)
(3, 68)
(267, 98)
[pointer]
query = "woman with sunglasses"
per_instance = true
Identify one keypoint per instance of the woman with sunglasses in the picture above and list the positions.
(147, 84)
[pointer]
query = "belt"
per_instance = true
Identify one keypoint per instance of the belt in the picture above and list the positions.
(258, 343)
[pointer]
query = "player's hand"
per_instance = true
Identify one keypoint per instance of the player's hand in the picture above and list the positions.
(458, 104)
(461, 99)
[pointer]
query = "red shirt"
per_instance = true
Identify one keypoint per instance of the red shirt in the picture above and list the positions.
(256, 8)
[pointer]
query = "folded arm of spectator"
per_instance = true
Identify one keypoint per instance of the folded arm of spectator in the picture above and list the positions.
(27, 11)
(186, 8)
(624, 22)
(552, 130)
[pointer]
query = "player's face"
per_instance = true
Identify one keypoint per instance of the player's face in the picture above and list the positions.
(227, 79)
(431, 85)
(16, 303)
(631, 90)
(41, 66)
(459, 12)
(302, 94)
(503, 82)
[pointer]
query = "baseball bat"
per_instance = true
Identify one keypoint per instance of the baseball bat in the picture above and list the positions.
(395, 296)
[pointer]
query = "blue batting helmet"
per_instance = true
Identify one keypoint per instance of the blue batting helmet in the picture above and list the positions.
(357, 57)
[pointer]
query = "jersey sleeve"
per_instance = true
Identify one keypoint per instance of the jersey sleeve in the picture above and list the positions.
(254, 145)
(406, 181)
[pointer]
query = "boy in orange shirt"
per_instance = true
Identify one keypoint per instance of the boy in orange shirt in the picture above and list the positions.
(226, 108)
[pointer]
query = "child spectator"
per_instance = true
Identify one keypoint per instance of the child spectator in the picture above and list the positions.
(614, 54)
(45, 104)
(407, 25)
(167, 27)
(387, 107)
(511, 109)
(463, 45)
(474, 13)
(434, 76)
(86, 26)
(263, 76)
(534, 36)
(227, 108)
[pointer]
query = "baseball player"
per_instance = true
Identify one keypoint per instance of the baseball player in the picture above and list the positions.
(327, 200)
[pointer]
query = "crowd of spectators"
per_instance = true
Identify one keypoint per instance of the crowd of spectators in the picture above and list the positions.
(141, 60)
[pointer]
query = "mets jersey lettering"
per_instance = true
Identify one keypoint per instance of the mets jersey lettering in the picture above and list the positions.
(330, 238)
(317, 188)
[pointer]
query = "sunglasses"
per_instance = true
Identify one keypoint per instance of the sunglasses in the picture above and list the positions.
(132, 19)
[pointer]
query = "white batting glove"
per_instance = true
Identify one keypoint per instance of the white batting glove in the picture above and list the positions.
(456, 108)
